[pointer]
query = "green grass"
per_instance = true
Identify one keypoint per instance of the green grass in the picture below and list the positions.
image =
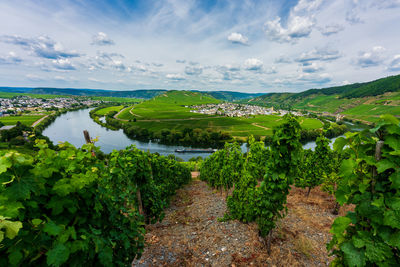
(25, 119)
(168, 111)
(240, 127)
(170, 105)
(373, 110)
(106, 110)
(322, 103)
(125, 114)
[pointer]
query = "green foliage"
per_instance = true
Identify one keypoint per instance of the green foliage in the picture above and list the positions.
(224, 167)
(257, 158)
(369, 236)
(314, 166)
(68, 207)
(281, 171)
(266, 203)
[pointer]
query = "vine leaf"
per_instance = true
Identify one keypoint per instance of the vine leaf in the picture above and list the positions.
(57, 255)
(353, 256)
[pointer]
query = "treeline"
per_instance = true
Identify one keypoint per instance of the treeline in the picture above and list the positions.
(68, 207)
(22, 136)
(187, 137)
(96, 117)
(363, 170)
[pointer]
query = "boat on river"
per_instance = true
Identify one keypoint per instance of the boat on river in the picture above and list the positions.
(195, 150)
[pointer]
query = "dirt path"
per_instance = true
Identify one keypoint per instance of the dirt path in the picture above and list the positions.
(119, 112)
(130, 111)
(192, 235)
(39, 121)
(260, 126)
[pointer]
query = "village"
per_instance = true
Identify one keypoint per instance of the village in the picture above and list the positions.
(21, 104)
(236, 110)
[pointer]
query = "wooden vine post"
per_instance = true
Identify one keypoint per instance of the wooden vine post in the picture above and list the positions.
(88, 140)
(378, 157)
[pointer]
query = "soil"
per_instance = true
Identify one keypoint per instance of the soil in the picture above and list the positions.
(191, 233)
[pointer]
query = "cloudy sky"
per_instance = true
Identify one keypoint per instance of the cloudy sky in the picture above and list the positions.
(248, 46)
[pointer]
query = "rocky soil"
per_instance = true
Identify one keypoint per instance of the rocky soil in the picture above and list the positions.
(192, 235)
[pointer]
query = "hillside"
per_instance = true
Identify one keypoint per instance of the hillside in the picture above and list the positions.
(169, 105)
(362, 101)
(231, 96)
(144, 93)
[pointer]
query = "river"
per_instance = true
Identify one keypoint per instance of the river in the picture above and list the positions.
(69, 128)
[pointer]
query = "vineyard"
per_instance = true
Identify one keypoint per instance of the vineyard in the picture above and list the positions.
(363, 171)
(69, 206)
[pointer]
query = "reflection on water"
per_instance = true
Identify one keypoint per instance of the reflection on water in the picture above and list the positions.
(69, 128)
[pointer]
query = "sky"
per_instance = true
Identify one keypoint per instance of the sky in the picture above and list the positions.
(248, 46)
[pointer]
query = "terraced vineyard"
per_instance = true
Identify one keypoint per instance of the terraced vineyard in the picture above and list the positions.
(170, 111)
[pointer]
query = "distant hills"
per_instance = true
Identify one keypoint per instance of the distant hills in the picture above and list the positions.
(359, 101)
(144, 93)
(355, 90)
(231, 96)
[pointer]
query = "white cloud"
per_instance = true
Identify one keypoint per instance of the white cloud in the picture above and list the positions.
(318, 54)
(300, 22)
(238, 38)
(63, 64)
(95, 80)
(11, 58)
(311, 68)
(271, 70)
(316, 78)
(117, 64)
(101, 39)
(395, 63)
(331, 29)
(175, 76)
(386, 3)
(283, 59)
(33, 77)
(253, 64)
(372, 58)
(193, 69)
(42, 46)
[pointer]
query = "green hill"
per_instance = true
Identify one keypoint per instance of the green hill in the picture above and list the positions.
(362, 101)
(169, 105)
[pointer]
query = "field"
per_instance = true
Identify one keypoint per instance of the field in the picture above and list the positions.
(26, 119)
(367, 109)
(322, 103)
(168, 111)
(170, 105)
(105, 111)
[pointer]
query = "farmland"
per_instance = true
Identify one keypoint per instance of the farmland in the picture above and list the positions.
(168, 111)
(24, 119)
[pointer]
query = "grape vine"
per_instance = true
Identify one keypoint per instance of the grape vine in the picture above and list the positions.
(68, 207)
(369, 236)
